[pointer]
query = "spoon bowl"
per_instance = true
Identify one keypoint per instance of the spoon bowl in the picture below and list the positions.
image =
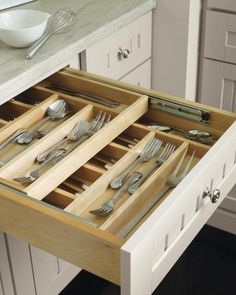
(55, 111)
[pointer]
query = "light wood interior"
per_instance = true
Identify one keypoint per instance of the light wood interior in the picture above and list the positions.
(80, 182)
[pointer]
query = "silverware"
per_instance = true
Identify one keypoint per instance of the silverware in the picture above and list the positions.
(147, 153)
(172, 181)
(194, 134)
(92, 97)
(10, 140)
(33, 175)
(167, 151)
(57, 110)
(60, 22)
(75, 134)
(100, 121)
(108, 206)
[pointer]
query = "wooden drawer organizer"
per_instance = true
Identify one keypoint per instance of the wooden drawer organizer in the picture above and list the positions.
(53, 212)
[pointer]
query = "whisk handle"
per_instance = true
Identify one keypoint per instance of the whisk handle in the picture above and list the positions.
(35, 47)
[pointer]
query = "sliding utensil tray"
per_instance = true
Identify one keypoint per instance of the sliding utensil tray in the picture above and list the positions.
(53, 212)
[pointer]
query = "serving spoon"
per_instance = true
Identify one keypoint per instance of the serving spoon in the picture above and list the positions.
(194, 134)
(57, 110)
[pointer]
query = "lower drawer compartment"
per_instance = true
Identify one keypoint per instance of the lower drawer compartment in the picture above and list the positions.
(158, 206)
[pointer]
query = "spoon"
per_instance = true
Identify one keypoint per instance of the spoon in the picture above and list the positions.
(55, 111)
(195, 134)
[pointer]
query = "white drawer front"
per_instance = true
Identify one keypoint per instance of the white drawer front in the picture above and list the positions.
(163, 237)
(229, 5)
(141, 76)
(103, 59)
(220, 36)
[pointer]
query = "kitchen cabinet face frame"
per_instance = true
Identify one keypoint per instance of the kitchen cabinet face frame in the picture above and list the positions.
(160, 239)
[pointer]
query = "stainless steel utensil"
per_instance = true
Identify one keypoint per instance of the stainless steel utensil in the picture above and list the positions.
(108, 206)
(194, 134)
(75, 134)
(57, 110)
(147, 153)
(172, 181)
(85, 95)
(33, 175)
(167, 151)
(100, 121)
(60, 22)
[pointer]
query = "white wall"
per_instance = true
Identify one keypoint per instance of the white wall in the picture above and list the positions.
(176, 26)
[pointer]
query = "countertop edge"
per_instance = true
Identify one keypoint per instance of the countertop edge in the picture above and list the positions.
(60, 59)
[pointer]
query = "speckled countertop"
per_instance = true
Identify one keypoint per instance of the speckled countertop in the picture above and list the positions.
(97, 19)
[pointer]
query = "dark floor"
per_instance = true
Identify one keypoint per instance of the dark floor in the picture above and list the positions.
(208, 267)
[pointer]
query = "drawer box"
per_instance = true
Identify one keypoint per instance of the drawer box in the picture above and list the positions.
(103, 57)
(220, 36)
(53, 213)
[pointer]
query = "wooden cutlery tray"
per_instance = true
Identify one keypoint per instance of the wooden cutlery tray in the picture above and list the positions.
(64, 195)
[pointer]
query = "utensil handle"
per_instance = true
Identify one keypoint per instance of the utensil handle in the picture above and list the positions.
(37, 45)
(135, 177)
(48, 161)
(42, 157)
(117, 182)
(11, 139)
(137, 218)
(132, 189)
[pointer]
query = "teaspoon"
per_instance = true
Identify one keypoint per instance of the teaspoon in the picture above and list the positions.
(55, 111)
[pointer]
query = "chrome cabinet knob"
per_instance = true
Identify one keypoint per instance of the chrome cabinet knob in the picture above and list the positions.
(214, 196)
(123, 54)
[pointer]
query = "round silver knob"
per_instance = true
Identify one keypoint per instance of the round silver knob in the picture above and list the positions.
(214, 196)
(123, 54)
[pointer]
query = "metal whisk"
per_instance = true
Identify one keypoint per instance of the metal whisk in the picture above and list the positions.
(60, 22)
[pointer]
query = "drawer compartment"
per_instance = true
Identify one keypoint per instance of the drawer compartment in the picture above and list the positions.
(54, 212)
(220, 36)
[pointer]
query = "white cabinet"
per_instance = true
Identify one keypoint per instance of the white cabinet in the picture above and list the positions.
(124, 55)
(217, 85)
(6, 281)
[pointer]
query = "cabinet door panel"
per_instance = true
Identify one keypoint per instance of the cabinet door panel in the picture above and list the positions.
(51, 274)
(20, 259)
(229, 5)
(141, 76)
(6, 282)
(220, 36)
(219, 85)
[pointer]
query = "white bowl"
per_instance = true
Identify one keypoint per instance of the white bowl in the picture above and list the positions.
(21, 28)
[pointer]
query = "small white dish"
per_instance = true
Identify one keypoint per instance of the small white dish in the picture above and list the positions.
(21, 28)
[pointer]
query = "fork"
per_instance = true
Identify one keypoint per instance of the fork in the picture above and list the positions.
(167, 151)
(99, 122)
(33, 175)
(107, 207)
(149, 151)
(75, 134)
(172, 181)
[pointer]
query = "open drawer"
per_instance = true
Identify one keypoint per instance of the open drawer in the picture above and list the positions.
(137, 243)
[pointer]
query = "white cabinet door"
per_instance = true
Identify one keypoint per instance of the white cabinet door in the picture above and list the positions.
(218, 85)
(229, 5)
(51, 274)
(220, 36)
(21, 266)
(6, 280)
(141, 76)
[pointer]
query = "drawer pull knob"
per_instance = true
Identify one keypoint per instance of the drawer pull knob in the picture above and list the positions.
(214, 196)
(123, 54)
